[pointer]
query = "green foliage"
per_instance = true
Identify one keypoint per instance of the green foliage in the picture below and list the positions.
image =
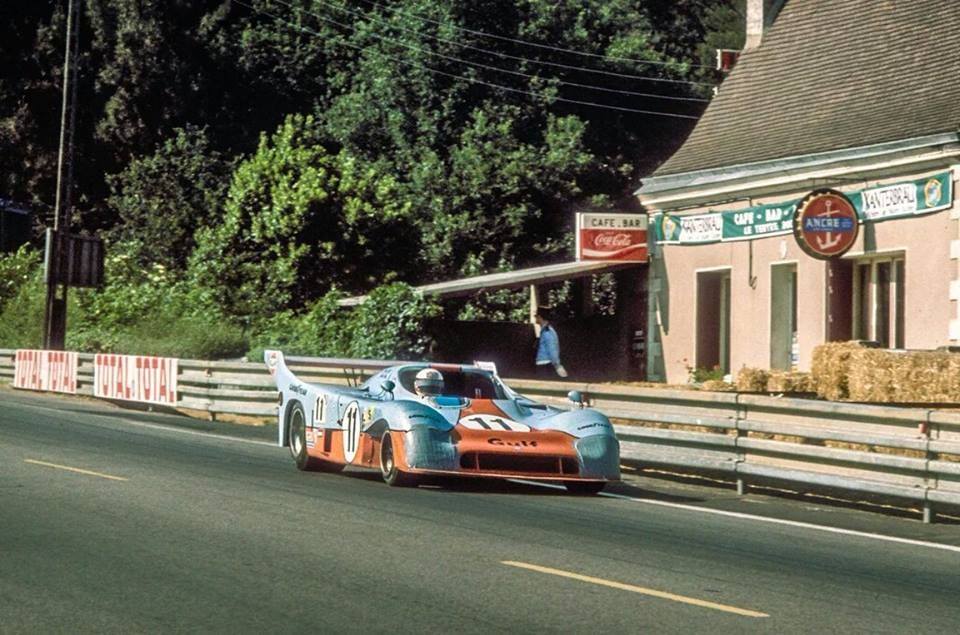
(322, 331)
(389, 325)
(162, 199)
(299, 221)
(21, 315)
(400, 173)
(16, 269)
(149, 311)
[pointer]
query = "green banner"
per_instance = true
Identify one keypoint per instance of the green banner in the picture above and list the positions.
(875, 204)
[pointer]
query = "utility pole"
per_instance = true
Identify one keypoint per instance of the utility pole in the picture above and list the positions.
(55, 315)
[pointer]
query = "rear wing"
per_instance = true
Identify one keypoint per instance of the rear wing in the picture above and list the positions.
(277, 366)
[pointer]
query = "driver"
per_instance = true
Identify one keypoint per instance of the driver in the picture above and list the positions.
(428, 384)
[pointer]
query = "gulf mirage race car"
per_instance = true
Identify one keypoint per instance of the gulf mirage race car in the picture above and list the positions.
(415, 420)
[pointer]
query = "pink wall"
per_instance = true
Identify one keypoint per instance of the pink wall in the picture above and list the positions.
(923, 240)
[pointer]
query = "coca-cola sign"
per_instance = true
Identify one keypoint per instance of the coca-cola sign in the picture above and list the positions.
(614, 237)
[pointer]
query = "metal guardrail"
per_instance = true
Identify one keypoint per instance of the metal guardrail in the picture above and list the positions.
(910, 454)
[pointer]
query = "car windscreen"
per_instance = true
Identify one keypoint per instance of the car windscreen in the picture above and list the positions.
(469, 384)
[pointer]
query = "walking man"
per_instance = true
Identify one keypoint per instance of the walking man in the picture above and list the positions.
(548, 349)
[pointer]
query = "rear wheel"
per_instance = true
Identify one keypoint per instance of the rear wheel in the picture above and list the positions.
(388, 465)
(585, 488)
(297, 440)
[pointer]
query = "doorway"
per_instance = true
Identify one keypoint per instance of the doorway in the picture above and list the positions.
(783, 317)
(713, 320)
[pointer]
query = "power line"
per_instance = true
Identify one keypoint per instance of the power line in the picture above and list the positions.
(500, 53)
(560, 49)
(469, 79)
(487, 66)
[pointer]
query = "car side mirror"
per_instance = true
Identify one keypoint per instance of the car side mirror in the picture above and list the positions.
(577, 398)
(388, 386)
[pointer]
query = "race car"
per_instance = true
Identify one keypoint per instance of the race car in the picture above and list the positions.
(416, 420)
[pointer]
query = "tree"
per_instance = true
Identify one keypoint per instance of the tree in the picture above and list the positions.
(300, 220)
(162, 199)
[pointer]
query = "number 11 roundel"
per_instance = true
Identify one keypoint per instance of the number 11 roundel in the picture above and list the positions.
(351, 431)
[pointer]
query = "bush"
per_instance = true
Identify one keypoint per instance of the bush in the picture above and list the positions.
(21, 317)
(323, 331)
(16, 269)
(389, 325)
(150, 312)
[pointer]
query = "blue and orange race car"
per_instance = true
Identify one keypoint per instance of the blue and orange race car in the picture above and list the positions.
(416, 420)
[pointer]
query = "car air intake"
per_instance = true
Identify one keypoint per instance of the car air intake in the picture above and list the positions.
(484, 462)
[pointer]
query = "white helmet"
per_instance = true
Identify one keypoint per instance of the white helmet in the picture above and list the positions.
(429, 382)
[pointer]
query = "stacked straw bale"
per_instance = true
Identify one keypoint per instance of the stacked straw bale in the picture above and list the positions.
(718, 385)
(846, 370)
(830, 369)
(782, 381)
(916, 377)
(752, 380)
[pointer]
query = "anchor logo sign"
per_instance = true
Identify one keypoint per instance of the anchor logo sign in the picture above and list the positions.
(826, 225)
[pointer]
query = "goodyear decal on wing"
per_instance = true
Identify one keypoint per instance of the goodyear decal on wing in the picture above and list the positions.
(492, 422)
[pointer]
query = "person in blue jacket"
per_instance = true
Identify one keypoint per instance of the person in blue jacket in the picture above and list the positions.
(548, 349)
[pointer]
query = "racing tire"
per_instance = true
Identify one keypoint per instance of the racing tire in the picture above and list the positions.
(392, 476)
(297, 441)
(585, 488)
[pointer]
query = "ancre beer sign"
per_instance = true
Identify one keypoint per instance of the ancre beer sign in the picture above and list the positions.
(826, 224)
(612, 237)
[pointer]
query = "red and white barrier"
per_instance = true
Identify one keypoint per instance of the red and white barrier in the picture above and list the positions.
(52, 371)
(135, 378)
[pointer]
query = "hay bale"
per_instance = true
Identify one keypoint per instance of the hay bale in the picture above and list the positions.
(752, 380)
(782, 381)
(830, 369)
(718, 385)
(883, 376)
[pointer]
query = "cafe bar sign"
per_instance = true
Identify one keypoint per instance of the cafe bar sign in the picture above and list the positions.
(612, 237)
(876, 204)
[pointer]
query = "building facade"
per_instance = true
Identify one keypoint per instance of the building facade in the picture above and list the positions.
(859, 97)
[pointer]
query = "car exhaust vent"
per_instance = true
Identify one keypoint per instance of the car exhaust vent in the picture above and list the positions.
(480, 461)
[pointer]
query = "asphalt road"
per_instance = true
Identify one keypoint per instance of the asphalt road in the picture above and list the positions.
(213, 533)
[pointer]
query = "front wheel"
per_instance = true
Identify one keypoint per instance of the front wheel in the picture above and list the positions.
(585, 488)
(388, 465)
(297, 440)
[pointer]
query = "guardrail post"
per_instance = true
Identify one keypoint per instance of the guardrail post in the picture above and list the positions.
(741, 482)
(929, 515)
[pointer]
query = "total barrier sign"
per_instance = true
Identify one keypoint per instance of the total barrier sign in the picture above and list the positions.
(51, 371)
(135, 378)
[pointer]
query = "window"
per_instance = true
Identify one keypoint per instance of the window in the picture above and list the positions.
(468, 383)
(879, 300)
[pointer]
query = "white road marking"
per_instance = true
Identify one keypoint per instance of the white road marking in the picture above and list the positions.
(764, 519)
(77, 470)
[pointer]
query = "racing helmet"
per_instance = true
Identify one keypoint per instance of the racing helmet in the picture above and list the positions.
(428, 382)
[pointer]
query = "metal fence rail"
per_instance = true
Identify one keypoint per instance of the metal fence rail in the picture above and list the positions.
(910, 454)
